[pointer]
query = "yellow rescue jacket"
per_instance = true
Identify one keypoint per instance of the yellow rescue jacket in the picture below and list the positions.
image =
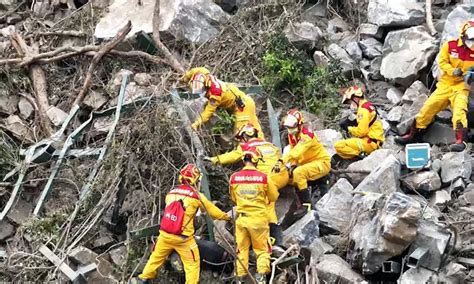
(305, 148)
(454, 54)
(192, 203)
(270, 154)
(252, 192)
(368, 125)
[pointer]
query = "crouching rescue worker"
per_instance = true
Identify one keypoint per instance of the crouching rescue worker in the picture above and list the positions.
(455, 59)
(307, 159)
(367, 133)
(247, 136)
(221, 94)
(177, 226)
(251, 190)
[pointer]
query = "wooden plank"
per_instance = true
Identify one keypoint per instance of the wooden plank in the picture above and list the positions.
(71, 274)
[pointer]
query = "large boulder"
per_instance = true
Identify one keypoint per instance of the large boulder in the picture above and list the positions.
(384, 227)
(427, 181)
(354, 50)
(439, 134)
(388, 13)
(405, 53)
(368, 30)
(303, 35)
(333, 269)
(328, 137)
(334, 208)
(384, 179)
(193, 21)
(415, 90)
(371, 48)
(455, 165)
(318, 248)
(410, 110)
(348, 65)
(455, 20)
(363, 167)
(304, 231)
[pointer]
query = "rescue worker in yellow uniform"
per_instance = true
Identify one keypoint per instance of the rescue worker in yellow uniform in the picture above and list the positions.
(184, 243)
(456, 57)
(251, 190)
(307, 158)
(247, 135)
(367, 134)
(224, 95)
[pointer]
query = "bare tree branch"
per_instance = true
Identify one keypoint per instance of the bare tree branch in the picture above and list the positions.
(429, 18)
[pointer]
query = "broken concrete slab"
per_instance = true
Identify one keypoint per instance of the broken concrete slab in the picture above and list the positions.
(302, 232)
(455, 165)
(383, 179)
(82, 255)
(368, 164)
(6, 230)
(440, 134)
(426, 181)
(334, 207)
(118, 256)
(328, 137)
(333, 269)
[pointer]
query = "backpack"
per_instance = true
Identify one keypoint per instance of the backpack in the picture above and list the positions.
(173, 217)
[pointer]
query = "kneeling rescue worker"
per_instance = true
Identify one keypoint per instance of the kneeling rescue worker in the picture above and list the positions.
(221, 94)
(367, 134)
(307, 159)
(251, 190)
(177, 226)
(456, 57)
(247, 136)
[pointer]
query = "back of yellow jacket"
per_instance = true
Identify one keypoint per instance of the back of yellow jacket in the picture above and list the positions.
(305, 148)
(368, 124)
(252, 191)
(192, 202)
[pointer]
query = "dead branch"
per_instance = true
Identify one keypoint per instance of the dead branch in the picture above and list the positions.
(119, 37)
(429, 18)
(38, 78)
(172, 61)
(59, 33)
(4, 17)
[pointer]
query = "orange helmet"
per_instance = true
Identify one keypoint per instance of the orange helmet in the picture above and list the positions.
(189, 174)
(293, 118)
(253, 155)
(197, 83)
(354, 91)
(247, 129)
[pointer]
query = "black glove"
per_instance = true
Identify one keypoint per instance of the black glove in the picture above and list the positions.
(457, 72)
(346, 122)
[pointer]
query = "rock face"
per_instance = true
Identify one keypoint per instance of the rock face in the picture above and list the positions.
(304, 231)
(334, 208)
(303, 35)
(333, 269)
(384, 179)
(190, 20)
(368, 164)
(405, 53)
(368, 30)
(328, 137)
(455, 165)
(383, 228)
(371, 48)
(338, 53)
(386, 13)
(6, 230)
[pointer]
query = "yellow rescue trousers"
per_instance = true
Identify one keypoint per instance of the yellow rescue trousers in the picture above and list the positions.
(310, 171)
(247, 115)
(354, 147)
(445, 95)
(280, 180)
(187, 249)
(252, 230)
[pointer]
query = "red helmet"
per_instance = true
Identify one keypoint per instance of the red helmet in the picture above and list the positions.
(189, 174)
(253, 155)
(293, 118)
(247, 129)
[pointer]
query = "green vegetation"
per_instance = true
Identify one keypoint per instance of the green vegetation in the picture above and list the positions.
(225, 123)
(290, 72)
(8, 154)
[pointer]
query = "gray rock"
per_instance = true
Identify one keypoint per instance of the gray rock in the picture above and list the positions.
(195, 21)
(387, 13)
(334, 207)
(429, 213)
(303, 231)
(440, 199)
(95, 100)
(118, 256)
(318, 248)
(25, 107)
(384, 179)
(368, 30)
(320, 59)
(439, 134)
(286, 200)
(313, 121)
(445, 116)
(418, 275)
(455, 165)
(230, 6)
(354, 50)
(368, 164)
(83, 255)
(467, 198)
(104, 240)
(7, 31)
(143, 79)
(303, 35)
(7, 4)
(423, 181)
(395, 114)
(453, 273)
(19, 129)
(6, 230)
(409, 113)
(317, 10)
(8, 102)
(328, 137)
(20, 213)
(333, 269)
(371, 48)
(346, 62)
(414, 91)
(405, 53)
(56, 115)
(337, 25)
(371, 69)
(455, 20)
(394, 95)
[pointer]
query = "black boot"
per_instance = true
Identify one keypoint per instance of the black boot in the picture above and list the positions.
(276, 237)
(461, 137)
(143, 281)
(304, 197)
(413, 135)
